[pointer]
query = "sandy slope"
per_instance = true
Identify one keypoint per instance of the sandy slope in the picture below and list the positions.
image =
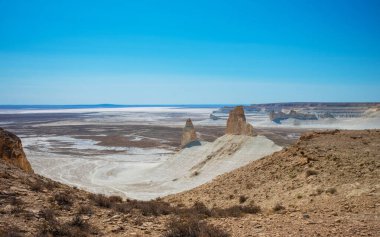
(196, 165)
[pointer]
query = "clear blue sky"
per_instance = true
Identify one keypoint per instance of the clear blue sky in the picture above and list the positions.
(186, 52)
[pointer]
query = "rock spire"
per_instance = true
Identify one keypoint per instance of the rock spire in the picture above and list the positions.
(188, 134)
(237, 124)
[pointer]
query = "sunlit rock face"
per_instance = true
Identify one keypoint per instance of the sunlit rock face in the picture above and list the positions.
(188, 135)
(237, 124)
(11, 151)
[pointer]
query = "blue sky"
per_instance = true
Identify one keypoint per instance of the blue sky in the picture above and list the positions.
(188, 52)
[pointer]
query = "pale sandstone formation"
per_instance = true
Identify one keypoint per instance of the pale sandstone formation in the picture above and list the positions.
(188, 134)
(11, 151)
(236, 123)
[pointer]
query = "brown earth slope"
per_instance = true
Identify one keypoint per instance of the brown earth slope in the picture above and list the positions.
(326, 184)
(31, 205)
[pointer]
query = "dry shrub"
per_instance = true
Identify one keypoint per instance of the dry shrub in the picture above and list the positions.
(51, 184)
(331, 190)
(17, 209)
(63, 199)
(242, 199)
(116, 199)
(101, 200)
(5, 175)
(15, 201)
(311, 172)
(11, 231)
(47, 214)
(250, 209)
(76, 227)
(77, 221)
(85, 209)
(235, 211)
(199, 208)
(249, 186)
(37, 186)
(192, 227)
(147, 208)
(278, 207)
(157, 208)
(319, 191)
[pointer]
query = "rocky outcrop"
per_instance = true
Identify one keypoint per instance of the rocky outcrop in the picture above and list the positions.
(11, 151)
(213, 117)
(278, 116)
(237, 124)
(188, 135)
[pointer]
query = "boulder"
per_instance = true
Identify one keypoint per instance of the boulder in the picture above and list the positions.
(11, 151)
(188, 134)
(237, 124)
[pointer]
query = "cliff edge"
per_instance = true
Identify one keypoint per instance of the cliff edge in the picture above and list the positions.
(11, 151)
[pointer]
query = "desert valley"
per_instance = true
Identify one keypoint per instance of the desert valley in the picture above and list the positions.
(189, 118)
(258, 170)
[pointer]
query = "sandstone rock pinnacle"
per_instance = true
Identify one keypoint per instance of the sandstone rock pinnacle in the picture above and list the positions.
(236, 123)
(188, 134)
(11, 151)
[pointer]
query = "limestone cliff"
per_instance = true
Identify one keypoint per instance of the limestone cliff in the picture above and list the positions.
(11, 151)
(237, 124)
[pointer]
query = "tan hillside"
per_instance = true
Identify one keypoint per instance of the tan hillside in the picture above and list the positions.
(327, 183)
(32, 205)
